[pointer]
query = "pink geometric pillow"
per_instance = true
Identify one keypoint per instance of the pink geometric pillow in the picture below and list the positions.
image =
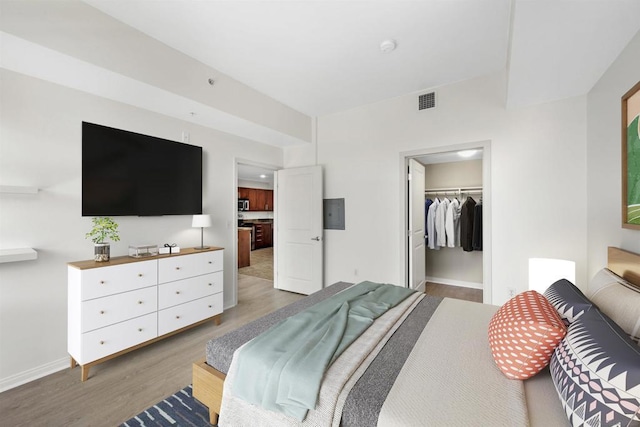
(523, 334)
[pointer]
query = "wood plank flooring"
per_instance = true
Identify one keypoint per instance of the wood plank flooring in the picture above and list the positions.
(123, 387)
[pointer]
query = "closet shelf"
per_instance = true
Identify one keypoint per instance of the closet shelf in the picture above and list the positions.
(13, 255)
(457, 190)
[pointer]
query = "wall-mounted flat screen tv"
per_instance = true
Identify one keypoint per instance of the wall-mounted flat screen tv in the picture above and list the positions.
(129, 174)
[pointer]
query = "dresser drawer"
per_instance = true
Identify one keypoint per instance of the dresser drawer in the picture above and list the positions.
(183, 315)
(100, 282)
(182, 267)
(112, 339)
(181, 291)
(101, 312)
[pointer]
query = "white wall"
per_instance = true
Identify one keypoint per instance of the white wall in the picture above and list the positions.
(538, 178)
(604, 158)
(40, 145)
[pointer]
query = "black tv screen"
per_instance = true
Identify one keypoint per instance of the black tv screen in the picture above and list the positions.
(129, 174)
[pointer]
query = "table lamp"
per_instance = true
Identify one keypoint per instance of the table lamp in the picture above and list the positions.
(201, 221)
(543, 272)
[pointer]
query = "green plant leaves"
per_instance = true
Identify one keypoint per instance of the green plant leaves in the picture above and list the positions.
(104, 228)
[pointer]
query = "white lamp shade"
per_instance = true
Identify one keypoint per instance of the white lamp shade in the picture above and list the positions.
(201, 221)
(543, 272)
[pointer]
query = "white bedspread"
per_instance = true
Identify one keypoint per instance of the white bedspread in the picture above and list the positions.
(450, 378)
(338, 380)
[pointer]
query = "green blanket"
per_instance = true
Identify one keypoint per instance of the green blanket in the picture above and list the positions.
(282, 369)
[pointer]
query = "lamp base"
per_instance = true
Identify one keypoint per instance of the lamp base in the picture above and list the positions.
(199, 248)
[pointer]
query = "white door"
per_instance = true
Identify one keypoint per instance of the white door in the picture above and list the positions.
(298, 230)
(416, 222)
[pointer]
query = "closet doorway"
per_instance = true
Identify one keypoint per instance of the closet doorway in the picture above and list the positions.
(457, 262)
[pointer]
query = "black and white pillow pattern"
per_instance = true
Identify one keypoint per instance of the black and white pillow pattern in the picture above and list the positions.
(596, 372)
(568, 300)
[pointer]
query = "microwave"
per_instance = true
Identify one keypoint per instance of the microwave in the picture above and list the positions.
(243, 204)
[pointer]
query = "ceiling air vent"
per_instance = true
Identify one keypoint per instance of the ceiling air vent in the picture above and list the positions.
(426, 101)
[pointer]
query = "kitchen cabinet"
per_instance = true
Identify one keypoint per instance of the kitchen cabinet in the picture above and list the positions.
(259, 199)
(269, 200)
(264, 235)
(244, 247)
(243, 193)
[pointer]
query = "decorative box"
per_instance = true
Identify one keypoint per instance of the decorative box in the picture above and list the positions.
(169, 249)
(140, 251)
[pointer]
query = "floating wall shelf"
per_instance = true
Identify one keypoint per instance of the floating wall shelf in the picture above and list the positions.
(21, 189)
(13, 255)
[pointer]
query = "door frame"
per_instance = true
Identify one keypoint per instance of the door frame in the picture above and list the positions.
(234, 214)
(486, 209)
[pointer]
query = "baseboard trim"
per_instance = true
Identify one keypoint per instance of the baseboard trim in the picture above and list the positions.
(463, 284)
(33, 374)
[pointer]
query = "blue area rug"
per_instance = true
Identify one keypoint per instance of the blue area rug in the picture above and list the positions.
(178, 410)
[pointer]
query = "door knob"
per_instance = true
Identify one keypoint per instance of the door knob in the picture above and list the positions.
(317, 238)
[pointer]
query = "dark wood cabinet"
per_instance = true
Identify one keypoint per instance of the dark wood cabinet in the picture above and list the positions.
(269, 200)
(243, 193)
(259, 199)
(244, 247)
(264, 235)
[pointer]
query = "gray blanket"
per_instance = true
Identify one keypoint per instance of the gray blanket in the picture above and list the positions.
(375, 383)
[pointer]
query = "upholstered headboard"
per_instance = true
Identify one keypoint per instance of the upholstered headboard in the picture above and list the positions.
(616, 290)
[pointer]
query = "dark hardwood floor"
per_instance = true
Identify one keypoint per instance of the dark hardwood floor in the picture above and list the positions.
(456, 292)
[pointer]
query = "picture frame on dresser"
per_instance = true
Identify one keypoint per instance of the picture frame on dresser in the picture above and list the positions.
(631, 158)
(124, 304)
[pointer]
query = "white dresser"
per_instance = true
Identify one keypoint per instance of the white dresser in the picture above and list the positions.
(118, 306)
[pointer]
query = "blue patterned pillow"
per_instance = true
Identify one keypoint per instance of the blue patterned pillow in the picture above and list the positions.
(568, 300)
(596, 372)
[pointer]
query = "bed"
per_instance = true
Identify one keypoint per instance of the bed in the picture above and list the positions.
(429, 362)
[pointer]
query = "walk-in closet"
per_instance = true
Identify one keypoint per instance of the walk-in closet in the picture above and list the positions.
(453, 220)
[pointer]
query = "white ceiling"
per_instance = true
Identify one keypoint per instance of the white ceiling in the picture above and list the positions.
(320, 57)
(255, 174)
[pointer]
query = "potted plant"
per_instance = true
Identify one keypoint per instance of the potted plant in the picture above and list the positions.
(104, 229)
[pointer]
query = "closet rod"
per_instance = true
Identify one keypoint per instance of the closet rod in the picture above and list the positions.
(454, 190)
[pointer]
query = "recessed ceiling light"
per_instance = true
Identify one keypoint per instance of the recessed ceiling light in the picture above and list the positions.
(467, 153)
(387, 46)
(263, 176)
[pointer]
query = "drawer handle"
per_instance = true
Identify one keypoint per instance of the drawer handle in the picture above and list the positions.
(177, 317)
(102, 282)
(177, 268)
(177, 292)
(139, 302)
(210, 284)
(139, 329)
(101, 342)
(101, 311)
(139, 274)
(209, 306)
(210, 262)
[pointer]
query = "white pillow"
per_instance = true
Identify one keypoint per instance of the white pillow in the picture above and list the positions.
(618, 299)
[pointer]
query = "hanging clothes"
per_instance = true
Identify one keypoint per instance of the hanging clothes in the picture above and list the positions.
(431, 220)
(427, 204)
(452, 224)
(466, 224)
(477, 228)
(441, 233)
